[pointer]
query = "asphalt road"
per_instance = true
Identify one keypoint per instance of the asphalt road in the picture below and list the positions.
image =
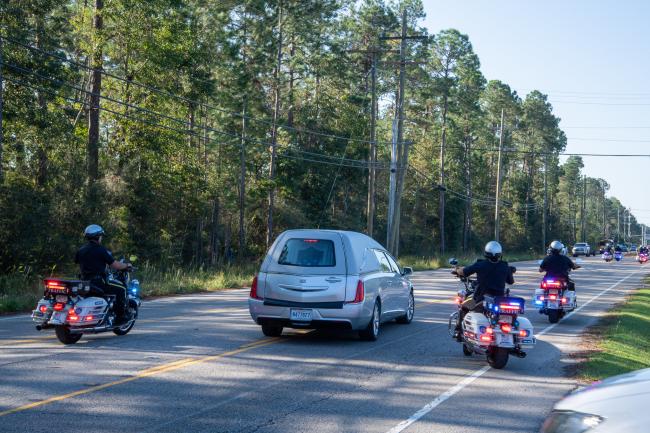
(199, 364)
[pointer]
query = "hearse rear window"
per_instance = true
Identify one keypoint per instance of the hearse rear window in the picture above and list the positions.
(309, 253)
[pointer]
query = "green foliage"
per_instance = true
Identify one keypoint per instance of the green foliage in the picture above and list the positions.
(178, 77)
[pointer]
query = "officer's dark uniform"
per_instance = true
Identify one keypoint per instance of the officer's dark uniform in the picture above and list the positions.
(491, 278)
(558, 266)
(93, 259)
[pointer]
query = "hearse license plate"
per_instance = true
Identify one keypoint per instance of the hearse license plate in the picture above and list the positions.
(298, 315)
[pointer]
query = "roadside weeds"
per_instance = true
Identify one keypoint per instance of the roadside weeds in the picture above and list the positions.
(619, 342)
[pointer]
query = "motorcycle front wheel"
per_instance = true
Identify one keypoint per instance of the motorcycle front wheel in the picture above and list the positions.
(124, 329)
(65, 336)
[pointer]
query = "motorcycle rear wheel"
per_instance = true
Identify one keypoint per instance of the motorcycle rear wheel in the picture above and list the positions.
(65, 336)
(467, 351)
(497, 357)
(553, 316)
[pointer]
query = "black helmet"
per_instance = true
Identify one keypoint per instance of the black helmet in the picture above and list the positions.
(493, 251)
(94, 232)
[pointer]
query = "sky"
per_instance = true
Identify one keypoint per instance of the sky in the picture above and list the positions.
(592, 58)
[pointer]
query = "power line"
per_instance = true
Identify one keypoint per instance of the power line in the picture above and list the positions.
(182, 98)
(362, 164)
(359, 163)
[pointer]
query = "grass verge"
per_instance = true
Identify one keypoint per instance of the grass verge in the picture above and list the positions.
(623, 343)
(426, 263)
(20, 292)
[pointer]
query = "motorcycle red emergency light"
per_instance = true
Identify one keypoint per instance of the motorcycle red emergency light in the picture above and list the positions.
(565, 300)
(489, 331)
(509, 307)
(553, 297)
(58, 306)
(486, 338)
(551, 283)
(42, 308)
(523, 333)
(457, 300)
(506, 328)
(89, 318)
(72, 316)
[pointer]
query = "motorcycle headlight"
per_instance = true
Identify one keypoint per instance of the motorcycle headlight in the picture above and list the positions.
(566, 421)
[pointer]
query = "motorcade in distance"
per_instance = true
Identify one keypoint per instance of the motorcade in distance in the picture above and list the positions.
(73, 308)
(623, 247)
(582, 249)
(618, 404)
(330, 279)
(607, 256)
(642, 258)
(498, 331)
(618, 256)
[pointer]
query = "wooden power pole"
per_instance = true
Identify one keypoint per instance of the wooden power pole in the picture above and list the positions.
(274, 133)
(372, 173)
(498, 192)
(95, 93)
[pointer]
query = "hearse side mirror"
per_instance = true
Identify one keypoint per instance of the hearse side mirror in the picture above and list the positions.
(407, 271)
(453, 262)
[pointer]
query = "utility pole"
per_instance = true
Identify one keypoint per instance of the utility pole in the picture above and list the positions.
(95, 93)
(1, 107)
(584, 208)
(274, 133)
(545, 210)
(497, 203)
(242, 181)
(618, 223)
(372, 173)
(629, 224)
(400, 148)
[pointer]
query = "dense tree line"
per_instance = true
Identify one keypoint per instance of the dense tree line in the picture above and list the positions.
(182, 125)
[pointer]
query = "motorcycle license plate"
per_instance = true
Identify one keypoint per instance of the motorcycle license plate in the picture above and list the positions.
(58, 317)
(505, 319)
(300, 315)
(61, 298)
(505, 339)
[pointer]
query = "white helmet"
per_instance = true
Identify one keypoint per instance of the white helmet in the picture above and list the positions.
(556, 247)
(93, 231)
(493, 251)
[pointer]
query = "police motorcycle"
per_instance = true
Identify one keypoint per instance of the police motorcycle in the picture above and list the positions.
(607, 256)
(554, 299)
(642, 258)
(498, 331)
(74, 307)
(618, 255)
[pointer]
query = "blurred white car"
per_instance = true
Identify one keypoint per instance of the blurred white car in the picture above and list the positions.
(616, 405)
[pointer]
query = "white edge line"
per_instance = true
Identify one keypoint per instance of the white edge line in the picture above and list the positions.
(438, 400)
(478, 373)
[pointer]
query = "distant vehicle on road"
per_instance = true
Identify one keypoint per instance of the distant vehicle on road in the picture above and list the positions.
(615, 405)
(330, 279)
(623, 248)
(582, 249)
(633, 248)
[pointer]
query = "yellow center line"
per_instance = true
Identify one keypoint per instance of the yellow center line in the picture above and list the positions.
(171, 366)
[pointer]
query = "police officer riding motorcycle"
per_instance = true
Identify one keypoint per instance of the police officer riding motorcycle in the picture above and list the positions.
(492, 276)
(556, 265)
(93, 259)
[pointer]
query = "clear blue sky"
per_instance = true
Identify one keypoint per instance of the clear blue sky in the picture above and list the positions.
(593, 60)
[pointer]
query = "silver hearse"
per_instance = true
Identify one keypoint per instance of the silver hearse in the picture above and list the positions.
(330, 279)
